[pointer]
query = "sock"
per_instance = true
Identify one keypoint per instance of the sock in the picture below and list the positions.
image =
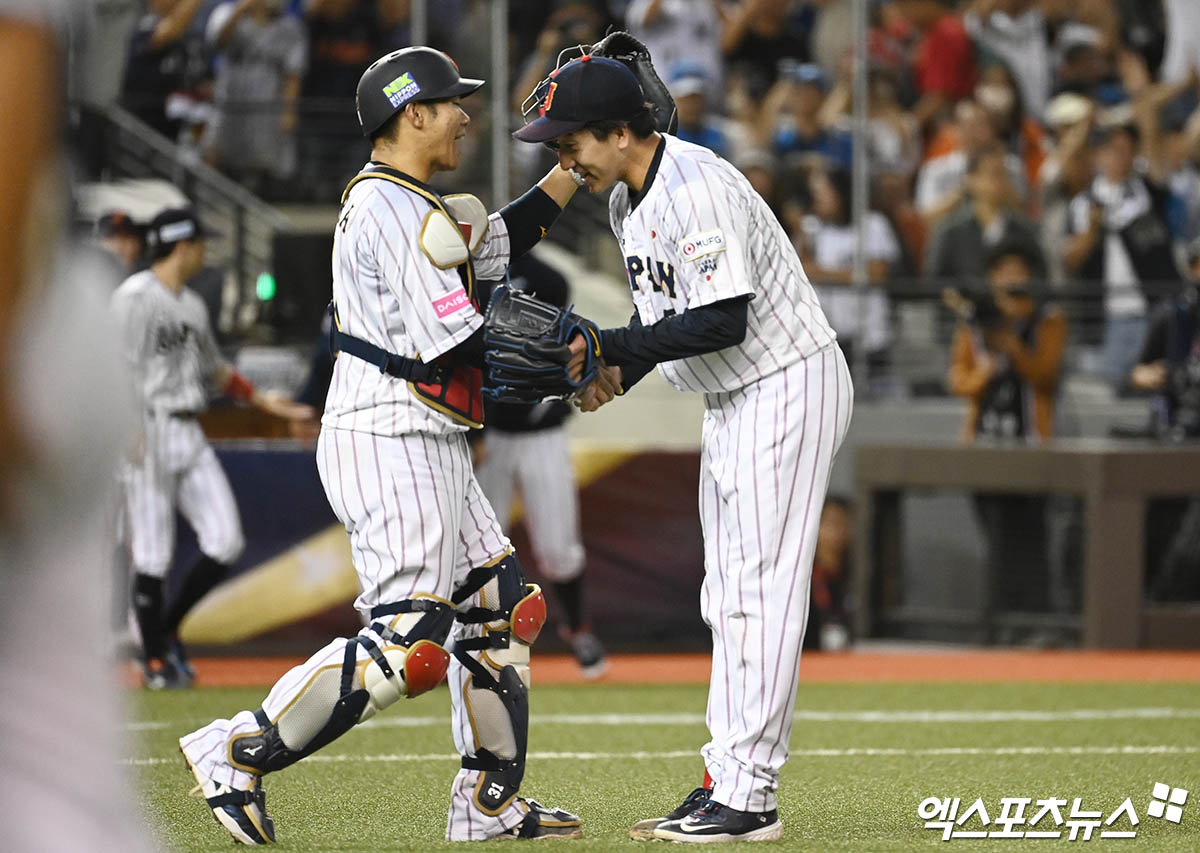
(570, 597)
(708, 781)
(147, 607)
(203, 576)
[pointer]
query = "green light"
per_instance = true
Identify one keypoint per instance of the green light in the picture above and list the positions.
(265, 287)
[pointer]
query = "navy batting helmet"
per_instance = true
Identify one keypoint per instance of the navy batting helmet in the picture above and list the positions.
(408, 74)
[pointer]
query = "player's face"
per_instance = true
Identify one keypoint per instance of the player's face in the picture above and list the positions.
(446, 124)
(600, 162)
(193, 257)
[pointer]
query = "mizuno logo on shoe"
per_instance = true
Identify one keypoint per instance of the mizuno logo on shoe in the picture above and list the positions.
(253, 752)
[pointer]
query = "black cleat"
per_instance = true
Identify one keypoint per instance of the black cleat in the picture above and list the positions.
(714, 822)
(643, 830)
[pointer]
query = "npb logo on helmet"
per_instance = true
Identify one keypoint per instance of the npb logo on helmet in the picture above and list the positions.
(401, 89)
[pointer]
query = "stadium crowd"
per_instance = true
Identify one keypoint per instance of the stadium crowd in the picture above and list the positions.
(1066, 129)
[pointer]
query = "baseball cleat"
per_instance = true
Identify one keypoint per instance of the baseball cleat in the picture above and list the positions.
(243, 813)
(643, 830)
(177, 657)
(713, 822)
(589, 651)
(163, 675)
(541, 822)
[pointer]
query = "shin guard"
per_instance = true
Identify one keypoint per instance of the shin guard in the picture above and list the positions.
(507, 615)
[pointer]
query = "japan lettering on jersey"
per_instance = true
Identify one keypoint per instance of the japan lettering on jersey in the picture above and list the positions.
(701, 234)
(168, 341)
(390, 293)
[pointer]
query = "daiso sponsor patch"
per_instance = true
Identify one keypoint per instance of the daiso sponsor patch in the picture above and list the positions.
(451, 303)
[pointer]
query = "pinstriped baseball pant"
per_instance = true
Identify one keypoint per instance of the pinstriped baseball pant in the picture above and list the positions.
(766, 455)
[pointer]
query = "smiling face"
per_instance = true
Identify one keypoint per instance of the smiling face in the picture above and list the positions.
(600, 162)
(445, 123)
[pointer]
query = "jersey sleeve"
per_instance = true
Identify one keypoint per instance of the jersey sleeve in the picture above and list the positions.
(210, 352)
(436, 309)
(711, 248)
(493, 255)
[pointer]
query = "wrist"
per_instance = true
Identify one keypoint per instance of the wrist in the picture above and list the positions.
(239, 388)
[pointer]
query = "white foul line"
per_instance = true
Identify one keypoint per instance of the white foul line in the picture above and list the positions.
(690, 719)
(853, 752)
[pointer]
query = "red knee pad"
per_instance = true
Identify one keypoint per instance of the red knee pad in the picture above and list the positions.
(425, 667)
(529, 615)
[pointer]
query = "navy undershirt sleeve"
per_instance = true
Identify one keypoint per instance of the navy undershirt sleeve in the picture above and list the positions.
(694, 332)
(528, 219)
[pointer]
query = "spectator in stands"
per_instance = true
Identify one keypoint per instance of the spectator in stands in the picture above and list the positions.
(941, 182)
(679, 31)
(691, 91)
(344, 37)
(1066, 172)
(1169, 363)
(758, 38)
(1014, 32)
(790, 118)
(1006, 355)
(263, 54)
(1182, 51)
(165, 60)
(894, 140)
(1087, 66)
(1006, 360)
(944, 59)
(826, 241)
(998, 94)
(571, 25)
(988, 216)
(828, 619)
(1120, 242)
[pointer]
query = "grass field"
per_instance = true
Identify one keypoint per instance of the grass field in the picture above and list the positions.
(864, 756)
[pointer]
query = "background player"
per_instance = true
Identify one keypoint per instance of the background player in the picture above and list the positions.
(526, 448)
(725, 309)
(394, 461)
(170, 346)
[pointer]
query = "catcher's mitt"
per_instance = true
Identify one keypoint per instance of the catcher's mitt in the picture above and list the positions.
(622, 46)
(526, 349)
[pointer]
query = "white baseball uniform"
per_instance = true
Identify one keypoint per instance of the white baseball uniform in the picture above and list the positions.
(777, 407)
(171, 348)
(396, 470)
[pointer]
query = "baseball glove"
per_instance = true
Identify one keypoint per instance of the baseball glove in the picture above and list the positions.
(622, 46)
(526, 349)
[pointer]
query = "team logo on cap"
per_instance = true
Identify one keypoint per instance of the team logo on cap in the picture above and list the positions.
(401, 89)
(549, 99)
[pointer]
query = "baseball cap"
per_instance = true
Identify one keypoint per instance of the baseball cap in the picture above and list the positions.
(174, 225)
(116, 223)
(590, 88)
(688, 78)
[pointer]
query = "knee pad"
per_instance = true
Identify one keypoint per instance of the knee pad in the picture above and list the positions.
(410, 661)
(507, 614)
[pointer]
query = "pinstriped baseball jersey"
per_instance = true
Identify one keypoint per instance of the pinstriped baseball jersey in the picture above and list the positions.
(389, 293)
(169, 343)
(699, 235)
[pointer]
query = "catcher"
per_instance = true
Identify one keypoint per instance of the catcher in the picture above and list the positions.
(430, 555)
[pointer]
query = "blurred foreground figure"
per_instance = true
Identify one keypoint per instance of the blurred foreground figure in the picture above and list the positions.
(61, 782)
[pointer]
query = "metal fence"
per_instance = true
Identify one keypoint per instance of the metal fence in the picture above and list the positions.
(250, 225)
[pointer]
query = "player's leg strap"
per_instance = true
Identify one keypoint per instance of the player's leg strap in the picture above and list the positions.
(507, 614)
(410, 661)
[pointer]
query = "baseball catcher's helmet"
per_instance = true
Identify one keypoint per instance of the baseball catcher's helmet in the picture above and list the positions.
(408, 74)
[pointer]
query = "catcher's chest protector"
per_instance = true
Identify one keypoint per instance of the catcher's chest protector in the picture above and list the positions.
(461, 395)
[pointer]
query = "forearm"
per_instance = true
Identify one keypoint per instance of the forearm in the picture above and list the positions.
(530, 216)
(694, 332)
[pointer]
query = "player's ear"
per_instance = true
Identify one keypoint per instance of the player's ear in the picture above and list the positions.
(412, 112)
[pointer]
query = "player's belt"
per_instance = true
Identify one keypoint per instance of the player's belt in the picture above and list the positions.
(183, 416)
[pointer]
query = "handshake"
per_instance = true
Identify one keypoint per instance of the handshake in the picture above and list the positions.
(535, 351)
